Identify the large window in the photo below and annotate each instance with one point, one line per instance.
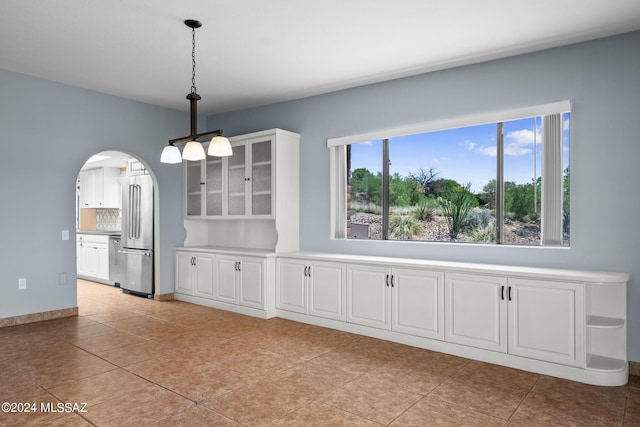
(504, 181)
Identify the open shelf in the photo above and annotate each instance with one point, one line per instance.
(604, 322)
(605, 364)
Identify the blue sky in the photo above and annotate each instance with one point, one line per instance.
(464, 154)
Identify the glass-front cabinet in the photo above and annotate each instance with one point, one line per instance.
(238, 186)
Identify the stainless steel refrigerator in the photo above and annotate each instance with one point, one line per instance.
(137, 235)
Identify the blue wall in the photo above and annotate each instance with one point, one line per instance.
(602, 80)
(47, 132)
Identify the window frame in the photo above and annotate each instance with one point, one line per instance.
(338, 163)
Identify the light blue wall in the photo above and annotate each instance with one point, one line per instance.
(47, 132)
(602, 80)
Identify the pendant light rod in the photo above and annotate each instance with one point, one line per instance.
(197, 137)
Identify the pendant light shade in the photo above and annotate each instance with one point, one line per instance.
(193, 151)
(171, 154)
(220, 147)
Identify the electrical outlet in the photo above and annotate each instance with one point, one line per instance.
(22, 283)
(65, 234)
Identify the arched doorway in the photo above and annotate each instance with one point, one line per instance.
(116, 218)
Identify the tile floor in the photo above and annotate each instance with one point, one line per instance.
(141, 363)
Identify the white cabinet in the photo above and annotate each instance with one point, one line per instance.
(195, 274)
(204, 184)
(240, 281)
(311, 287)
(100, 188)
(404, 300)
(537, 319)
(476, 312)
(92, 256)
(606, 326)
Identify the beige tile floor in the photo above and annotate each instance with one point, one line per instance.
(141, 363)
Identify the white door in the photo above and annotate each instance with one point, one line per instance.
(261, 177)
(368, 295)
(251, 282)
(204, 269)
(476, 311)
(327, 290)
(184, 273)
(237, 180)
(290, 285)
(226, 289)
(418, 302)
(546, 321)
(194, 184)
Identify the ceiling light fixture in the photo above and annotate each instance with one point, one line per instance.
(193, 150)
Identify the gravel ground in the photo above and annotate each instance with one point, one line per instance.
(436, 230)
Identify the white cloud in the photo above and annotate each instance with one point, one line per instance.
(488, 151)
(470, 145)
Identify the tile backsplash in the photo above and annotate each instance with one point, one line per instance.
(108, 219)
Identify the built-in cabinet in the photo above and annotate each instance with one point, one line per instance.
(398, 299)
(311, 287)
(100, 188)
(92, 252)
(195, 273)
(538, 319)
(225, 278)
(237, 186)
(565, 323)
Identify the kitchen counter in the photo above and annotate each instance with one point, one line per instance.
(99, 232)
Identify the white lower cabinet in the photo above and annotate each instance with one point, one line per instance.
(315, 288)
(195, 274)
(537, 319)
(240, 281)
(228, 278)
(93, 256)
(404, 300)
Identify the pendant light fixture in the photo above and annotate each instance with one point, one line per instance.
(193, 150)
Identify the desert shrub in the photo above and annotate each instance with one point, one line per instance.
(485, 234)
(479, 218)
(455, 206)
(423, 211)
(403, 227)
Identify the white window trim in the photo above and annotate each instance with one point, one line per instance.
(550, 229)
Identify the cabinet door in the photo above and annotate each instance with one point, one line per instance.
(237, 181)
(418, 302)
(81, 253)
(546, 321)
(327, 290)
(261, 177)
(226, 288)
(91, 188)
(193, 191)
(251, 282)
(203, 275)
(184, 273)
(214, 185)
(101, 260)
(368, 296)
(476, 313)
(290, 285)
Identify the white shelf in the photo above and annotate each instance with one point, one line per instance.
(265, 163)
(260, 193)
(605, 364)
(604, 322)
(214, 192)
(242, 166)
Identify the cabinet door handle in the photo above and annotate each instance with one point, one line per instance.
(305, 271)
(509, 293)
(309, 267)
(239, 266)
(387, 279)
(502, 292)
(392, 285)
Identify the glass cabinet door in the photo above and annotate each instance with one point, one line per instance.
(236, 181)
(194, 188)
(214, 187)
(261, 166)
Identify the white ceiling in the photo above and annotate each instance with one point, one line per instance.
(256, 52)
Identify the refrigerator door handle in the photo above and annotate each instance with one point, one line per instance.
(124, 251)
